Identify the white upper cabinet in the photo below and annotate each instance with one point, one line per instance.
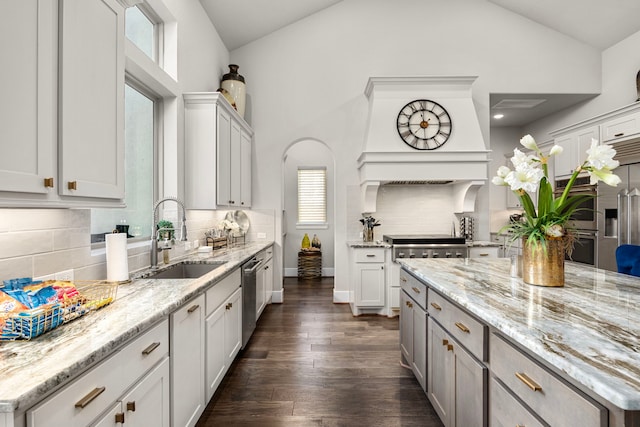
(575, 146)
(92, 99)
(27, 80)
(63, 116)
(217, 153)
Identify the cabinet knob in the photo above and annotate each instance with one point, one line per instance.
(445, 342)
(228, 306)
(72, 185)
(449, 347)
(131, 406)
(120, 417)
(48, 182)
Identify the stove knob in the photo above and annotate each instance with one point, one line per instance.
(435, 255)
(412, 255)
(447, 254)
(458, 255)
(425, 255)
(400, 254)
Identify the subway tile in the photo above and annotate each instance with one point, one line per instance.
(71, 238)
(25, 243)
(12, 268)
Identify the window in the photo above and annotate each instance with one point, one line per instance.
(312, 196)
(140, 136)
(142, 31)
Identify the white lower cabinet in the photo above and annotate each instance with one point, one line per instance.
(224, 339)
(147, 404)
(187, 363)
(484, 252)
(138, 371)
(456, 382)
(413, 339)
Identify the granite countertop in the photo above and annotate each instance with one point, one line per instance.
(589, 330)
(483, 243)
(30, 370)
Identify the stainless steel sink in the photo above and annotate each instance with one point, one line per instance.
(186, 271)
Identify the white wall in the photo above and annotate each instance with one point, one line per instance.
(307, 153)
(307, 80)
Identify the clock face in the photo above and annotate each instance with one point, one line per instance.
(424, 124)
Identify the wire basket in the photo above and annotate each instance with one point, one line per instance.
(28, 324)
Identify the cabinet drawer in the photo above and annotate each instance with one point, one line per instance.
(144, 352)
(471, 333)
(506, 411)
(556, 402)
(484, 252)
(220, 291)
(621, 128)
(369, 255)
(414, 288)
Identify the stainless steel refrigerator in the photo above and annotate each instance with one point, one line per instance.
(619, 216)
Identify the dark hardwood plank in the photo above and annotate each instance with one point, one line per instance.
(311, 363)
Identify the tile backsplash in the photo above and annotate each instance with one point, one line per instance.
(39, 242)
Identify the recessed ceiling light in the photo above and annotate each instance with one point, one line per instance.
(498, 116)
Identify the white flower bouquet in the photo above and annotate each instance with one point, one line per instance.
(530, 175)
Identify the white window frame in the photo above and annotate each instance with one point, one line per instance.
(301, 223)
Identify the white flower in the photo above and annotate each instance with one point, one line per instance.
(601, 156)
(521, 158)
(605, 175)
(556, 150)
(498, 180)
(527, 141)
(526, 177)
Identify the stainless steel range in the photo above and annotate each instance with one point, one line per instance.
(427, 246)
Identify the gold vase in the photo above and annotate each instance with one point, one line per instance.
(543, 267)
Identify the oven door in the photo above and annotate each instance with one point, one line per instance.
(585, 249)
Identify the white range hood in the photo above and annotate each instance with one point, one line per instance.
(460, 163)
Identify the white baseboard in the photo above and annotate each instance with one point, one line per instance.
(277, 297)
(293, 272)
(340, 297)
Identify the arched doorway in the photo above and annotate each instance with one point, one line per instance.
(304, 154)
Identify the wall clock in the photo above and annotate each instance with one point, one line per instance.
(424, 124)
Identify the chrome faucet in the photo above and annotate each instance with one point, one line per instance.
(154, 236)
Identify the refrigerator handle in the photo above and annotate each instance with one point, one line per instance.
(623, 217)
(634, 219)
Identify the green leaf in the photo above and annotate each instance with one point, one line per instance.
(545, 197)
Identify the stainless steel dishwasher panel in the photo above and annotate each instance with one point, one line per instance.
(249, 271)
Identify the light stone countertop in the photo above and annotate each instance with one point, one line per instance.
(30, 370)
(362, 244)
(588, 330)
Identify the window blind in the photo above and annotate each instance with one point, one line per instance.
(312, 195)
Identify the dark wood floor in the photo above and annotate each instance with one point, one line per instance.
(311, 363)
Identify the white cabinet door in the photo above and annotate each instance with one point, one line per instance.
(575, 146)
(200, 123)
(234, 180)
(564, 163)
(470, 389)
(419, 364)
(440, 386)
(147, 404)
(406, 328)
(216, 354)
(223, 161)
(27, 82)
(91, 116)
(187, 363)
(233, 326)
(245, 170)
(370, 284)
(268, 281)
(113, 418)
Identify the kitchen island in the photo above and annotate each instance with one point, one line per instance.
(32, 370)
(587, 334)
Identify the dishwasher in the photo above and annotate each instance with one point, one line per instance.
(249, 271)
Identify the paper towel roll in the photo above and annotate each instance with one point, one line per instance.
(117, 257)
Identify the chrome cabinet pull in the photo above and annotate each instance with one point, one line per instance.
(193, 308)
(436, 306)
(147, 351)
(416, 290)
(528, 381)
(90, 397)
(131, 406)
(462, 327)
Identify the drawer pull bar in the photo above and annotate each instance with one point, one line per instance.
(403, 279)
(436, 306)
(120, 418)
(462, 327)
(89, 397)
(131, 406)
(484, 254)
(193, 308)
(147, 351)
(416, 290)
(528, 381)
(618, 134)
(370, 255)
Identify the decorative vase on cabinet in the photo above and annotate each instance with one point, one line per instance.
(233, 83)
